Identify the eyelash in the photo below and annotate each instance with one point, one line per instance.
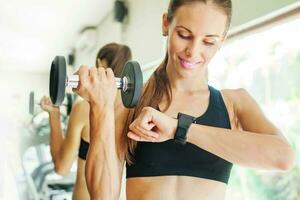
(188, 37)
(209, 43)
(183, 37)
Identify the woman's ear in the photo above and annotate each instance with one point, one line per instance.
(165, 25)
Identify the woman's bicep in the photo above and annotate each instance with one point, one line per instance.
(251, 116)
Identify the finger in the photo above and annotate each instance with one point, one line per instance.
(141, 119)
(102, 73)
(132, 125)
(110, 74)
(49, 100)
(147, 133)
(43, 100)
(147, 126)
(99, 64)
(135, 137)
(46, 99)
(144, 124)
(144, 134)
(83, 74)
(93, 73)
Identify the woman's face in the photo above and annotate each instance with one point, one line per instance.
(195, 35)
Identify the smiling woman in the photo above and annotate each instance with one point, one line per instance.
(187, 133)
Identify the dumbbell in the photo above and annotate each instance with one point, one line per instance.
(130, 83)
(32, 103)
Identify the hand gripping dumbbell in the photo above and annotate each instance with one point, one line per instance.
(130, 83)
(33, 103)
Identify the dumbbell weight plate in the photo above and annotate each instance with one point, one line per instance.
(57, 83)
(133, 73)
(69, 103)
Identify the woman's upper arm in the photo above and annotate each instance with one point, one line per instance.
(121, 115)
(250, 115)
(78, 119)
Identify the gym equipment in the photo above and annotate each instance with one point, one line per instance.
(130, 83)
(32, 103)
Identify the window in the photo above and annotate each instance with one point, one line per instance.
(267, 64)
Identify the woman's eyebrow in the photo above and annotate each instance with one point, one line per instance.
(180, 26)
(217, 36)
(209, 35)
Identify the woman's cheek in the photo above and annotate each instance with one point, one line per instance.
(210, 54)
(176, 43)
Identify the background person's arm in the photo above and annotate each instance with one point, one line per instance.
(64, 150)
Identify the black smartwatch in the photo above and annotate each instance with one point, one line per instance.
(184, 123)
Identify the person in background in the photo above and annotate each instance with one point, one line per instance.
(65, 150)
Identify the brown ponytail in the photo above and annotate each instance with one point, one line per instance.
(155, 88)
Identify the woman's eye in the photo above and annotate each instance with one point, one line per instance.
(209, 43)
(183, 36)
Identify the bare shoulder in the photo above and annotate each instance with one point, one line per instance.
(240, 99)
(234, 99)
(234, 94)
(248, 112)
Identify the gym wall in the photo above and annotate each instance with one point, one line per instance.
(246, 11)
(142, 29)
(108, 31)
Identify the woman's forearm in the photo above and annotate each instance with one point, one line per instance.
(103, 168)
(256, 150)
(56, 137)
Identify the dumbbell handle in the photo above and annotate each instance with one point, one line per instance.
(73, 80)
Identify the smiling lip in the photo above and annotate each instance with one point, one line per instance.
(188, 64)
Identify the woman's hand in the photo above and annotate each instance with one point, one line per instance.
(47, 105)
(152, 126)
(97, 85)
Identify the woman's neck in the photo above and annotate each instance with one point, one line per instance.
(190, 84)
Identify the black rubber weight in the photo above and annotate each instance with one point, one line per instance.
(69, 103)
(132, 71)
(57, 82)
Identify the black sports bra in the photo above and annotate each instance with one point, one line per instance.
(170, 158)
(83, 149)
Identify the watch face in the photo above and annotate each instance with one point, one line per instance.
(184, 122)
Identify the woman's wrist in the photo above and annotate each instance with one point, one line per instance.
(173, 128)
(54, 111)
(100, 106)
